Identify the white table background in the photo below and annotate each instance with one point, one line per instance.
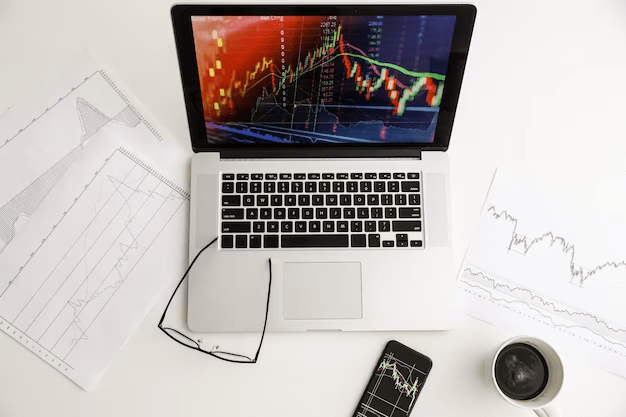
(545, 82)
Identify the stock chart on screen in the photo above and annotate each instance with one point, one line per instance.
(322, 79)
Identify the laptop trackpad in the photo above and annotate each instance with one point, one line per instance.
(322, 290)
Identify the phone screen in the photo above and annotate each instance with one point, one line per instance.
(397, 381)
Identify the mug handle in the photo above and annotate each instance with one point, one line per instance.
(550, 411)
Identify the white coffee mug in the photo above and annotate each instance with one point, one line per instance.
(543, 404)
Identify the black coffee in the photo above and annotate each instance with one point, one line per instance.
(521, 371)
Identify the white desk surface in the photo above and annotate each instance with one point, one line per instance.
(545, 81)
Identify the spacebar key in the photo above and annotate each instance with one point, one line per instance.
(314, 241)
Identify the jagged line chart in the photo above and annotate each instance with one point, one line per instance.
(393, 379)
(578, 273)
(91, 121)
(60, 292)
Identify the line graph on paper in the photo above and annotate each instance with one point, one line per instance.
(88, 256)
(393, 389)
(83, 120)
(536, 263)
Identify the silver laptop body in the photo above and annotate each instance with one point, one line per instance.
(346, 252)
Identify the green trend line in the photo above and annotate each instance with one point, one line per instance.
(399, 68)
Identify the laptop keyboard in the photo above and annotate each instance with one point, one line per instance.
(321, 210)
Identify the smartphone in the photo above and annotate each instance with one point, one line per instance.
(397, 381)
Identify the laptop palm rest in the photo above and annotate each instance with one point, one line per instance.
(322, 290)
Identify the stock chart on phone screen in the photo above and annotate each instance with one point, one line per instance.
(321, 79)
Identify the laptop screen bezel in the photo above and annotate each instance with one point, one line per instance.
(183, 33)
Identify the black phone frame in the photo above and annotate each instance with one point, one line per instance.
(181, 19)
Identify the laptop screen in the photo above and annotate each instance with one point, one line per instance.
(322, 79)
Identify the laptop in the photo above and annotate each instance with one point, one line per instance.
(319, 136)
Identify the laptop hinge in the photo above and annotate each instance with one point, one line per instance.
(320, 153)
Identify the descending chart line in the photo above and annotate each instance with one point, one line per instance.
(578, 276)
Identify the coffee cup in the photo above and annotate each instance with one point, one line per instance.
(528, 373)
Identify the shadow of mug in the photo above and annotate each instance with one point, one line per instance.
(541, 402)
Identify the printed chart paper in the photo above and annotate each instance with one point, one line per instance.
(549, 259)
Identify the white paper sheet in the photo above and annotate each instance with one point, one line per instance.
(549, 259)
(101, 230)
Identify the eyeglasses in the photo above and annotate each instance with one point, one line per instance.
(186, 341)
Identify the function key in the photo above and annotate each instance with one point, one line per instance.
(242, 177)
(370, 176)
(257, 176)
(356, 176)
(328, 176)
(398, 175)
(285, 176)
(342, 176)
(228, 177)
(271, 176)
(413, 175)
(384, 176)
(314, 176)
(299, 176)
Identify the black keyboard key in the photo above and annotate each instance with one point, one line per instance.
(248, 200)
(304, 200)
(338, 187)
(227, 241)
(314, 176)
(363, 213)
(255, 241)
(318, 200)
(314, 226)
(402, 240)
(290, 200)
(377, 212)
(269, 187)
(255, 187)
(384, 176)
(349, 213)
(242, 177)
(388, 243)
(283, 187)
(228, 177)
(307, 213)
(416, 243)
(342, 226)
(331, 200)
(266, 213)
(409, 212)
(276, 200)
(356, 226)
(398, 175)
(324, 187)
(413, 175)
(328, 226)
(379, 186)
(285, 176)
(299, 176)
(400, 199)
(241, 241)
(370, 226)
(293, 213)
(386, 200)
(286, 227)
(372, 200)
(335, 213)
(373, 240)
(406, 225)
(256, 176)
(356, 176)
(301, 227)
(279, 213)
(271, 176)
(310, 187)
(370, 175)
(414, 199)
(252, 213)
(321, 213)
(272, 227)
(328, 176)
(342, 176)
(231, 200)
(232, 214)
(270, 241)
(235, 227)
(314, 241)
(390, 212)
(296, 187)
(393, 186)
(410, 186)
(358, 241)
(384, 226)
(241, 187)
(359, 199)
(345, 199)
(366, 186)
(228, 187)
(262, 200)
(352, 186)
(258, 227)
